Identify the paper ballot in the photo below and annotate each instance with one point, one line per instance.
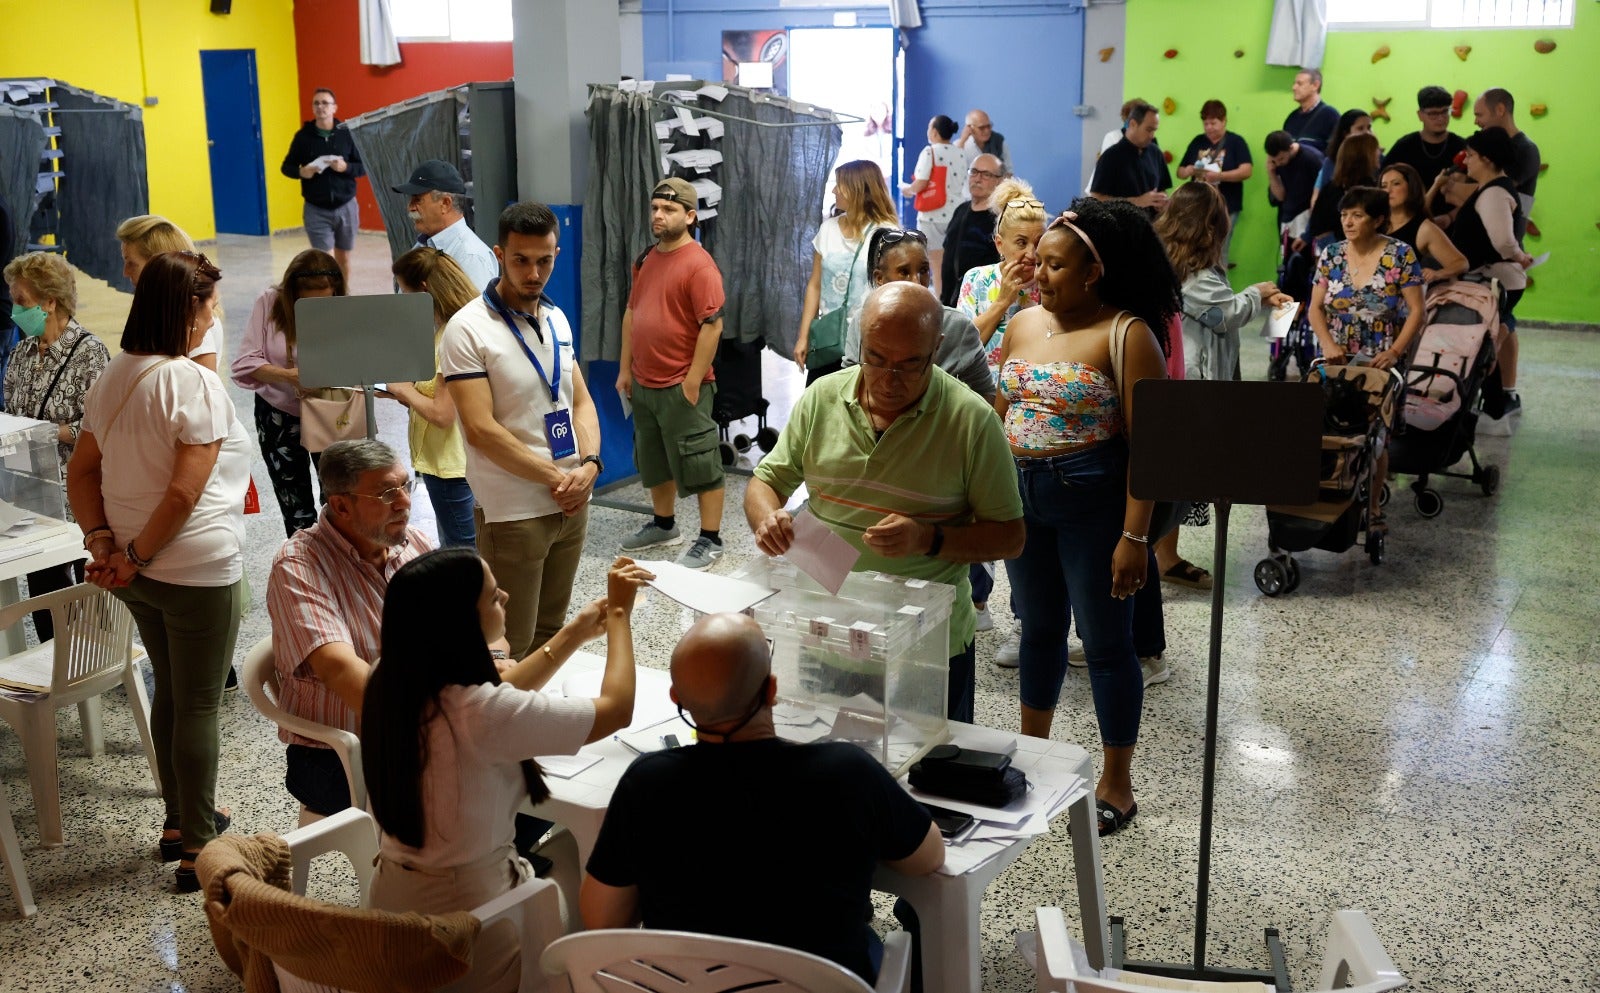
(1539, 260)
(1279, 321)
(821, 554)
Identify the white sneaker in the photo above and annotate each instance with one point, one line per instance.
(1494, 427)
(1076, 657)
(1010, 654)
(1155, 670)
(985, 619)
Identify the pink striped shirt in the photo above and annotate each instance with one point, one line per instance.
(321, 593)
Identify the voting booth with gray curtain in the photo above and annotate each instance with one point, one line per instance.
(761, 199)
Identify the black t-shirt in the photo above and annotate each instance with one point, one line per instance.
(1299, 177)
(1427, 158)
(719, 837)
(1315, 126)
(1230, 153)
(968, 243)
(1126, 170)
(1524, 169)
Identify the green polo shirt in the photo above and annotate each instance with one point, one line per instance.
(943, 462)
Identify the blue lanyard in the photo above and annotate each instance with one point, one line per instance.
(493, 300)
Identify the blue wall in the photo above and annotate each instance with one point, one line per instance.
(1020, 60)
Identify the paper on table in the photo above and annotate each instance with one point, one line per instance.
(704, 592)
(1279, 321)
(565, 766)
(821, 554)
(1539, 260)
(649, 709)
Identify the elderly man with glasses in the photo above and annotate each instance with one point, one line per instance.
(325, 600)
(980, 138)
(901, 460)
(969, 239)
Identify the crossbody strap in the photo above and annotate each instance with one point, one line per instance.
(106, 432)
(850, 274)
(39, 416)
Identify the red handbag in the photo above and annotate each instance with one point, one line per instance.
(932, 196)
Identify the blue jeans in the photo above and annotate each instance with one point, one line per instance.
(1073, 507)
(963, 681)
(982, 582)
(452, 509)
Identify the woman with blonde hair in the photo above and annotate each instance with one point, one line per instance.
(438, 455)
(143, 238)
(268, 367)
(992, 294)
(839, 274)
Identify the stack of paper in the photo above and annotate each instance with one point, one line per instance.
(699, 159)
(999, 827)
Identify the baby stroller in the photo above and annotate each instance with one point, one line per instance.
(1454, 354)
(1296, 273)
(1360, 404)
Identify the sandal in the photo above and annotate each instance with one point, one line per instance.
(172, 848)
(1111, 819)
(1186, 573)
(186, 878)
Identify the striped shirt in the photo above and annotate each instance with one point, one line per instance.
(945, 461)
(321, 593)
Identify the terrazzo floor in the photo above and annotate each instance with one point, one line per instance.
(1416, 739)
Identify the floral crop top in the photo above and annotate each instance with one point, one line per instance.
(1056, 405)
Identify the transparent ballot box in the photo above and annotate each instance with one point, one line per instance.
(30, 471)
(869, 666)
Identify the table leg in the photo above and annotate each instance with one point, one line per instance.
(1091, 882)
(952, 949)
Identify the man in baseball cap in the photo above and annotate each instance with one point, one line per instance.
(437, 192)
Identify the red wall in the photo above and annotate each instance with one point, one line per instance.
(328, 50)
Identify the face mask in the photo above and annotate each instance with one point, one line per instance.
(30, 319)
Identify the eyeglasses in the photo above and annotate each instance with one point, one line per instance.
(322, 103)
(983, 127)
(910, 369)
(391, 496)
(1065, 221)
(1435, 111)
(984, 172)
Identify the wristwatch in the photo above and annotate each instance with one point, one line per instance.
(599, 466)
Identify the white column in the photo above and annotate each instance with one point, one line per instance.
(558, 48)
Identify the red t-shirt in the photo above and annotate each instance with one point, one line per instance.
(673, 294)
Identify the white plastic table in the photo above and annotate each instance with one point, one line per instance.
(56, 544)
(947, 907)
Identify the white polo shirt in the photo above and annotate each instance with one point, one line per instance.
(476, 344)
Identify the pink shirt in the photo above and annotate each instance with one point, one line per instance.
(263, 344)
(321, 592)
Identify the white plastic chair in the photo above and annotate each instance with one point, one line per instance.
(11, 853)
(261, 683)
(533, 907)
(630, 958)
(92, 652)
(1354, 961)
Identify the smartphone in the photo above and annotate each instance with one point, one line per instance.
(949, 822)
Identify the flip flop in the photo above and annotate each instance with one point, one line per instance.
(1186, 573)
(1111, 819)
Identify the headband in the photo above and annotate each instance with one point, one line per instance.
(1065, 221)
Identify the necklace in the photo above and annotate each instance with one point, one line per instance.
(1444, 146)
(1051, 332)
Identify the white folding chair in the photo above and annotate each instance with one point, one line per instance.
(92, 652)
(1354, 961)
(629, 958)
(261, 683)
(534, 907)
(11, 853)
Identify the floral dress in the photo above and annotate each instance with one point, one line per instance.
(1367, 318)
(979, 289)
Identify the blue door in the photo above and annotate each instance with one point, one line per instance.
(233, 138)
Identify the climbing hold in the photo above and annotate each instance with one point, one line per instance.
(1538, 110)
(1171, 53)
(1166, 156)
(1543, 166)
(1380, 54)
(1462, 51)
(1544, 46)
(1458, 103)
(1106, 53)
(1169, 106)
(1533, 228)
(1238, 53)
(1380, 108)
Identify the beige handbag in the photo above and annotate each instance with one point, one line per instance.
(331, 414)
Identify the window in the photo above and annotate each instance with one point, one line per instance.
(1367, 15)
(453, 20)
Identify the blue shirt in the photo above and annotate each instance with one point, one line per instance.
(475, 258)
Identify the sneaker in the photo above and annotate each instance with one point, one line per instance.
(985, 619)
(650, 536)
(1077, 658)
(701, 554)
(1010, 654)
(1494, 427)
(1513, 403)
(1155, 670)
(232, 682)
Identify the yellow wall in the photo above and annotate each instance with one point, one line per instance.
(96, 45)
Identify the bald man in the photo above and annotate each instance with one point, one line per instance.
(702, 838)
(902, 461)
(979, 137)
(969, 237)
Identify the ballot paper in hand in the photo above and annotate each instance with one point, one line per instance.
(703, 591)
(1539, 260)
(821, 554)
(322, 162)
(1279, 320)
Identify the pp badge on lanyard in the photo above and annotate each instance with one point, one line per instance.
(558, 433)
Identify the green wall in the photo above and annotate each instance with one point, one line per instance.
(1206, 36)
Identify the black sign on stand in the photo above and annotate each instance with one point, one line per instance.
(1222, 443)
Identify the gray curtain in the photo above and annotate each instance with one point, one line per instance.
(772, 180)
(22, 142)
(394, 139)
(103, 156)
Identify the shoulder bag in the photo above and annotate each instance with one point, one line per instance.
(932, 196)
(1165, 515)
(335, 413)
(828, 330)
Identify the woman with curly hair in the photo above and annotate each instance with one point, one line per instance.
(1067, 370)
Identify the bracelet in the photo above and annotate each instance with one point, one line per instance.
(1142, 539)
(89, 535)
(498, 654)
(132, 555)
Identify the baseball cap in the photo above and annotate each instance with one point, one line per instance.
(679, 191)
(434, 174)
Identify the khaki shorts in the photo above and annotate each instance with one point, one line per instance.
(674, 442)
